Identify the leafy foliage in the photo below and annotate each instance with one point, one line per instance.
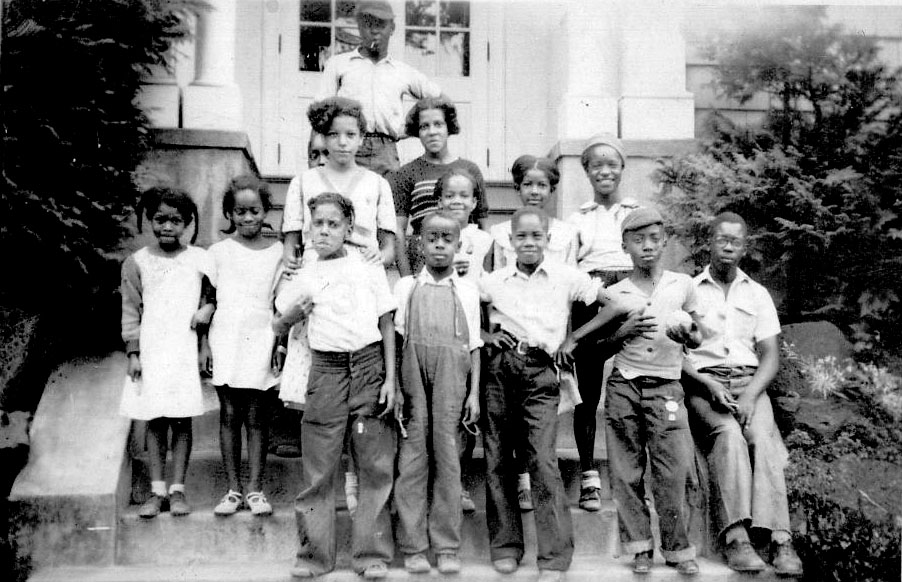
(819, 184)
(73, 135)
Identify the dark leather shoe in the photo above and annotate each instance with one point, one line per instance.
(785, 560)
(685, 568)
(742, 557)
(642, 562)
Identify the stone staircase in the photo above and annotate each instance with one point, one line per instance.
(75, 519)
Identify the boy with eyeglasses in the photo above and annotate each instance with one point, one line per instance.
(726, 379)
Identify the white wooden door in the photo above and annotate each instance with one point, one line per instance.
(447, 40)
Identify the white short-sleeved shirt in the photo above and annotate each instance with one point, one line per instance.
(379, 87)
(368, 191)
(475, 244)
(562, 243)
(349, 296)
(600, 240)
(536, 308)
(467, 293)
(660, 357)
(735, 322)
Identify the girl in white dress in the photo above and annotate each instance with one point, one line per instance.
(164, 290)
(241, 339)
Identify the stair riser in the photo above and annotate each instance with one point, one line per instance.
(197, 538)
(207, 483)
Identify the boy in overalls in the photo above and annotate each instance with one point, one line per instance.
(438, 316)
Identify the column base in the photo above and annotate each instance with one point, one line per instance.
(161, 104)
(658, 118)
(212, 107)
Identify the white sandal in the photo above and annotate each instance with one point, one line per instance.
(258, 503)
(229, 504)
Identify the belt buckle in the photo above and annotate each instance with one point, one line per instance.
(522, 348)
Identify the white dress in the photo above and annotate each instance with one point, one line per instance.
(169, 385)
(241, 336)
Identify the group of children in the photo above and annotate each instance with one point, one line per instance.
(478, 336)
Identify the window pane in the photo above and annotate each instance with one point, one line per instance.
(316, 10)
(455, 14)
(345, 16)
(315, 42)
(420, 12)
(346, 39)
(454, 60)
(419, 50)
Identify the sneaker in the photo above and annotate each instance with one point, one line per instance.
(416, 563)
(466, 502)
(375, 571)
(301, 570)
(742, 557)
(505, 565)
(642, 562)
(258, 504)
(448, 564)
(229, 504)
(685, 568)
(152, 507)
(178, 504)
(785, 560)
(590, 491)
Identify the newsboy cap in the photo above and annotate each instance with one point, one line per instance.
(378, 8)
(640, 218)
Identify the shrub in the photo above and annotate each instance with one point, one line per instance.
(819, 184)
(72, 136)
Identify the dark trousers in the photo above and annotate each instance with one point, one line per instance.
(344, 389)
(641, 413)
(521, 399)
(590, 360)
(378, 153)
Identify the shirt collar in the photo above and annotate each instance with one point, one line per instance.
(356, 54)
(513, 272)
(426, 278)
(706, 276)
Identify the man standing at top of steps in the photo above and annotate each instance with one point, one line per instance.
(726, 380)
(379, 82)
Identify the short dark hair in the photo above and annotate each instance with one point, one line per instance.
(153, 198)
(533, 211)
(236, 185)
(322, 113)
(525, 163)
(457, 171)
(345, 206)
(730, 217)
(448, 109)
(440, 214)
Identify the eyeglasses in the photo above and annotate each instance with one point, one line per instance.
(722, 242)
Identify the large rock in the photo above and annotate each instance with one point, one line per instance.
(817, 339)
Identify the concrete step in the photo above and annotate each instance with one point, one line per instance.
(583, 569)
(207, 483)
(205, 538)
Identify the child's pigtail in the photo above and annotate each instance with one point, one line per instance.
(196, 216)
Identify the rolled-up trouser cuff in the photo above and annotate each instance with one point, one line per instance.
(509, 552)
(637, 546)
(679, 555)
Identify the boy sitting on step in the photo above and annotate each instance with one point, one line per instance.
(531, 300)
(644, 404)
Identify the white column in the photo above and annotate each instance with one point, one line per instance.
(654, 103)
(213, 99)
(585, 88)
